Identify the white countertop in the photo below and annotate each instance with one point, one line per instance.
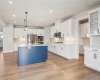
(60, 44)
(95, 47)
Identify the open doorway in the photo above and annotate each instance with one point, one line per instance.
(1, 42)
(84, 38)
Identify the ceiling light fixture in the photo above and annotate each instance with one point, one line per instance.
(41, 19)
(37, 24)
(14, 15)
(10, 2)
(50, 11)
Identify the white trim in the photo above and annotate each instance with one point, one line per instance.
(77, 33)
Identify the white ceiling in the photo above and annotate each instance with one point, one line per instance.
(38, 9)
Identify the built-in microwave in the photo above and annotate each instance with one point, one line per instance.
(58, 35)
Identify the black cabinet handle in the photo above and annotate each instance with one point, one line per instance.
(95, 56)
(94, 50)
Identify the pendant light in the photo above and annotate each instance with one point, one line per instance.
(26, 20)
(24, 25)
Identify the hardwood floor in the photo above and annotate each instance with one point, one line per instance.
(56, 68)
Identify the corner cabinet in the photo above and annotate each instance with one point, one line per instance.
(92, 58)
(94, 21)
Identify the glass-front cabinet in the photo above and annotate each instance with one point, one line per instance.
(94, 21)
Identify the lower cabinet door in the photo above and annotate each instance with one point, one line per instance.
(89, 59)
(64, 51)
(98, 61)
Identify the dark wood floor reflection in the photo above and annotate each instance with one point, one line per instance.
(56, 68)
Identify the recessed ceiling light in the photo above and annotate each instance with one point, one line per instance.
(50, 11)
(10, 2)
(41, 19)
(14, 15)
(15, 21)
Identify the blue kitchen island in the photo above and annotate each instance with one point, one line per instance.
(32, 54)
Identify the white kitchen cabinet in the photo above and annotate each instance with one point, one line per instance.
(52, 31)
(69, 51)
(63, 29)
(59, 50)
(58, 26)
(65, 50)
(15, 47)
(94, 21)
(16, 32)
(71, 23)
(84, 29)
(40, 32)
(50, 48)
(21, 33)
(92, 58)
(89, 59)
(68, 28)
(31, 31)
(97, 61)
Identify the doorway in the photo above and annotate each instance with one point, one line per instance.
(1, 42)
(83, 34)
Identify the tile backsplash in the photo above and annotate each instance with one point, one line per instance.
(69, 40)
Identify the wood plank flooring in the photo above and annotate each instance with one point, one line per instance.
(56, 68)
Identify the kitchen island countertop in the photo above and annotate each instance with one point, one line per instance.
(30, 45)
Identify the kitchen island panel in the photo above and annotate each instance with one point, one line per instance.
(32, 54)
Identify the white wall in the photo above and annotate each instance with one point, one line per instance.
(46, 35)
(2, 24)
(8, 38)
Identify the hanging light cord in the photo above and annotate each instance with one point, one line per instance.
(26, 18)
(24, 25)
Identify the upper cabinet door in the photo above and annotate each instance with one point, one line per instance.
(62, 29)
(65, 29)
(58, 26)
(52, 29)
(31, 31)
(40, 32)
(71, 27)
(21, 33)
(94, 19)
(16, 32)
